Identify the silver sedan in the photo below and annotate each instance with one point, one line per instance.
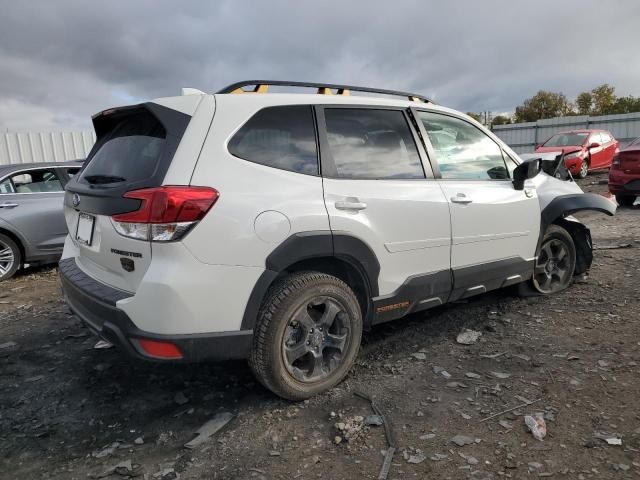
(32, 225)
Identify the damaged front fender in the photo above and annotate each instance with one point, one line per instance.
(559, 212)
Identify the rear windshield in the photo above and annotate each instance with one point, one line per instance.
(130, 152)
(566, 140)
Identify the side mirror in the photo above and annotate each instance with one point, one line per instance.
(594, 145)
(524, 171)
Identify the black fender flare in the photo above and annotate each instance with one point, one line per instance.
(565, 205)
(305, 246)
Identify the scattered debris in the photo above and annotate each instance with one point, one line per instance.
(428, 436)
(417, 457)
(468, 337)
(509, 410)
(494, 355)
(472, 375)
(470, 459)
(436, 457)
(124, 469)
(506, 425)
(501, 375)
(102, 344)
(351, 429)
(139, 441)
(6, 345)
(462, 440)
(106, 451)
(375, 420)
(610, 439)
(209, 428)
(612, 247)
(388, 433)
(536, 425)
(180, 398)
(419, 356)
(441, 371)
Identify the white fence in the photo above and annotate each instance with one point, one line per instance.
(28, 147)
(523, 137)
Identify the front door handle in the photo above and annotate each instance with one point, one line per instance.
(351, 204)
(461, 198)
(8, 205)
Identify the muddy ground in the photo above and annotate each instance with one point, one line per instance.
(68, 410)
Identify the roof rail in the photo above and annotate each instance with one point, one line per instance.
(262, 86)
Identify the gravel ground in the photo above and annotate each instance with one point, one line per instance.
(68, 410)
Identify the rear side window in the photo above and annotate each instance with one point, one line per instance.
(130, 152)
(372, 144)
(280, 137)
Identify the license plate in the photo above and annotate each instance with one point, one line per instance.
(84, 233)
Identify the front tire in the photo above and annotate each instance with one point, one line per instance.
(10, 257)
(555, 262)
(307, 336)
(584, 169)
(625, 200)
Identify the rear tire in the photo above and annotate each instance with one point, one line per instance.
(10, 257)
(625, 200)
(307, 336)
(584, 169)
(555, 264)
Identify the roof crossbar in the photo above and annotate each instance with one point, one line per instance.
(262, 86)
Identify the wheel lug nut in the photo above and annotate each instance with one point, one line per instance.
(312, 330)
(308, 343)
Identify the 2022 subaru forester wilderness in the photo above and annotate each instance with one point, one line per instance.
(276, 227)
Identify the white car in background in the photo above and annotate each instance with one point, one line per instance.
(276, 227)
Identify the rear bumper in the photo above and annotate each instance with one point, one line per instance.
(95, 304)
(624, 184)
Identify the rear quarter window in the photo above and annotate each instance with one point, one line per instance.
(279, 137)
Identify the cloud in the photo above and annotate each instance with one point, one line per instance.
(63, 61)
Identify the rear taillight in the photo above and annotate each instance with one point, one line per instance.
(616, 162)
(166, 213)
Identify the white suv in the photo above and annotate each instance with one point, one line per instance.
(276, 227)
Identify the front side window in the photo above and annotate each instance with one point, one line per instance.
(281, 137)
(606, 138)
(34, 181)
(463, 152)
(595, 138)
(372, 144)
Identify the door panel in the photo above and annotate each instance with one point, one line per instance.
(494, 228)
(406, 224)
(597, 154)
(38, 217)
(34, 208)
(376, 189)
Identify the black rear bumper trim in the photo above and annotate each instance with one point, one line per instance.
(95, 304)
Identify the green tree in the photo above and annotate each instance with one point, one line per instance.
(584, 103)
(604, 99)
(543, 105)
(500, 120)
(629, 104)
(476, 116)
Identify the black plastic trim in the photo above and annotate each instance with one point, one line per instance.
(308, 245)
(95, 304)
(418, 292)
(489, 276)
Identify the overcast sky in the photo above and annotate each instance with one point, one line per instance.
(62, 60)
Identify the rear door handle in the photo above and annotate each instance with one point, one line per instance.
(8, 205)
(461, 198)
(351, 204)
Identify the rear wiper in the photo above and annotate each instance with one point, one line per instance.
(102, 179)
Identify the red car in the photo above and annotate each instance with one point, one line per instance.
(624, 176)
(584, 150)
